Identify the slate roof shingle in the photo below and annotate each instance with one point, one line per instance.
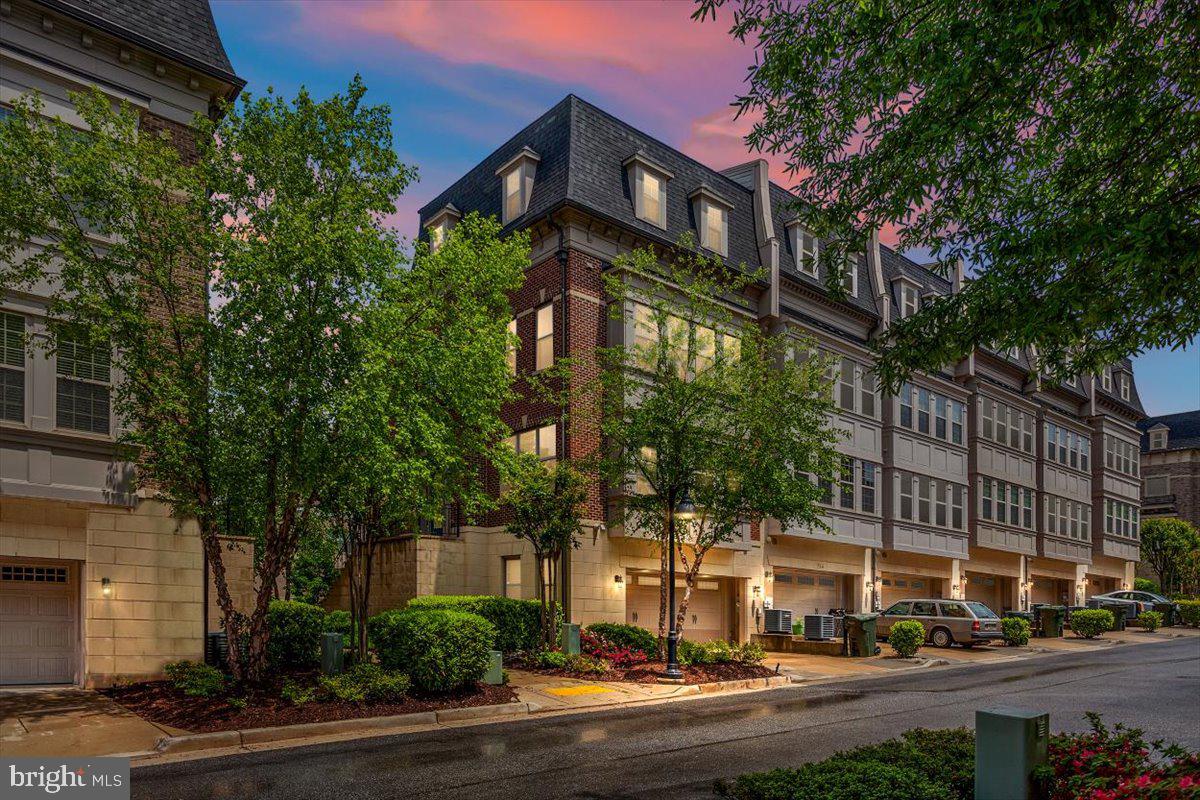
(1183, 430)
(180, 29)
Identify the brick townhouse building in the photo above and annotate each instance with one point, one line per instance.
(97, 581)
(1170, 453)
(981, 481)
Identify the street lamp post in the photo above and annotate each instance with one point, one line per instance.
(684, 510)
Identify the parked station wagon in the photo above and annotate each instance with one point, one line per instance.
(946, 621)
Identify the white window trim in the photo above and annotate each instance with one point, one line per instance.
(526, 162)
(806, 262)
(705, 201)
(22, 367)
(637, 166)
(440, 225)
(539, 335)
(1159, 439)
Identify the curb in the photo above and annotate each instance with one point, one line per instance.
(192, 742)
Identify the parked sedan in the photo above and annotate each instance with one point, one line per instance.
(1137, 602)
(946, 621)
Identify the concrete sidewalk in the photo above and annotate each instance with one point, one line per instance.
(78, 722)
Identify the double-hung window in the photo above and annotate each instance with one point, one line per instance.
(512, 346)
(12, 367)
(544, 348)
(84, 372)
(804, 249)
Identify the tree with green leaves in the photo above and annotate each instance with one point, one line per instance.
(422, 410)
(1052, 146)
(228, 410)
(701, 400)
(1172, 549)
(546, 505)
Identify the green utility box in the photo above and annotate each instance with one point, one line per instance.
(1009, 744)
(1168, 612)
(860, 635)
(1052, 619)
(568, 638)
(1118, 610)
(332, 657)
(495, 672)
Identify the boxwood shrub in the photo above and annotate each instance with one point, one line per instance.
(1091, 622)
(195, 679)
(906, 637)
(1150, 620)
(1189, 612)
(338, 622)
(622, 635)
(517, 622)
(367, 682)
(440, 650)
(295, 634)
(1016, 631)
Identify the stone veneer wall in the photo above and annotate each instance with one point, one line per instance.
(154, 563)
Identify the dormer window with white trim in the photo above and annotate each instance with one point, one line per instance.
(910, 300)
(440, 225)
(516, 183)
(712, 219)
(1106, 379)
(1158, 439)
(1124, 381)
(804, 248)
(849, 271)
(648, 188)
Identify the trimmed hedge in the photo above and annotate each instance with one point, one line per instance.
(1091, 622)
(906, 637)
(367, 682)
(921, 765)
(1189, 612)
(1016, 631)
(440, 650)
(517, 622)
(622, 635)
(1150, 620)
(295, 634)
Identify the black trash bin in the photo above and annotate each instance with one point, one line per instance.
(1119, 612)
(1052, 619)
(1168, 612)
(1029, 617)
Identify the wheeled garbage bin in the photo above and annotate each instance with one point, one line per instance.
(860, 635)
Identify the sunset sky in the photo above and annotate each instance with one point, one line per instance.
(461, 77)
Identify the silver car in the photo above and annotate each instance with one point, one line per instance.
(1135, 601)
(966, 622)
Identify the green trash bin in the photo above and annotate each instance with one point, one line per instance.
(1168, 612)
(1052, 619)
(1119, 612)
(860, 635)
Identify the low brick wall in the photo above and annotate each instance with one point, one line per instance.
(776, 643)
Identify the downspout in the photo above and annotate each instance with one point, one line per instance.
(565, 440)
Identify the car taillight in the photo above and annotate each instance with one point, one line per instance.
(975, 625)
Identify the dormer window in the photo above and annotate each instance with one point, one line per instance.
(516, 183)
(1106, 379)
(440, 225)
(712, 219)
(804, 248)
(849, 271)
(1124, 381)
(1158, 439)
(648, 188)
(910, 300)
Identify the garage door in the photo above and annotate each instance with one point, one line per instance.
(37, 624)
(806, 592)
(987, 589)
(706, 617)
(1050, 591)
(897, 586)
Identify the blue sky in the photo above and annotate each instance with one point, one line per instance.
(462, 77)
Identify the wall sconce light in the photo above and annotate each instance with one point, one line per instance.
(757, 590)
(106, 587)
(954, 588)
(618, 579)
(769, 575)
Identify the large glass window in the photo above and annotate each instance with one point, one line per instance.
(932, 501)
(84, 372)
(12, 367)
(1006, 503)
(935, 414)
(1066, 447)
(545, 336)
(855, 489)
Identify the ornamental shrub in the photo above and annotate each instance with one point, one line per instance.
(551, 659)
(718, 651)
(1150, 620)
(338, 622)
(906, 637)
(1189, 612)
(749, 653)
(1091, 622)
(586, 665)
(617, 655)
(632, 637)
(1116, 765)
(1145, 585)
(195, 679)
(367, 683)
(295, 634)
(439, 650)
(297, 693)
(517, 622)
(1016, 631)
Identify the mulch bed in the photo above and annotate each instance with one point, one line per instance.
(651, 671)
(159, 702)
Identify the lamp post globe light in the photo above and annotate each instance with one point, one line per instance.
(685, 509)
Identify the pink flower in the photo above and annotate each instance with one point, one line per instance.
(1186, 782)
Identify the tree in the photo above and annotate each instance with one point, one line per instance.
(1050, 145)
(280, 213)
(546, 505)
(422, 411)
(1172, 549)
(693, 404)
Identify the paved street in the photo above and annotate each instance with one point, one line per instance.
(678, 749)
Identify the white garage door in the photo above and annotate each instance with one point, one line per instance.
(806, 592)
(897, 586)
(707, 615)
(987, 589)
(37, 624)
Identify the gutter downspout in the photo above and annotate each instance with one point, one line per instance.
(565, 451)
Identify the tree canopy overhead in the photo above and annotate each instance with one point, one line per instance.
(1052, 146)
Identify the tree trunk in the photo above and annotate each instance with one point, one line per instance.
(231, 620)
(664, 577)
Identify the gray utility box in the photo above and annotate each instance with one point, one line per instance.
(332, 657)
(495, 672)
(1009, 743)
(568, 638)
(777, 620)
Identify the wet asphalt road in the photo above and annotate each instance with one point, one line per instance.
(678, 749)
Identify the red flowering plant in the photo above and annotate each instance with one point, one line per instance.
(617, 655)
(1117, 765)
